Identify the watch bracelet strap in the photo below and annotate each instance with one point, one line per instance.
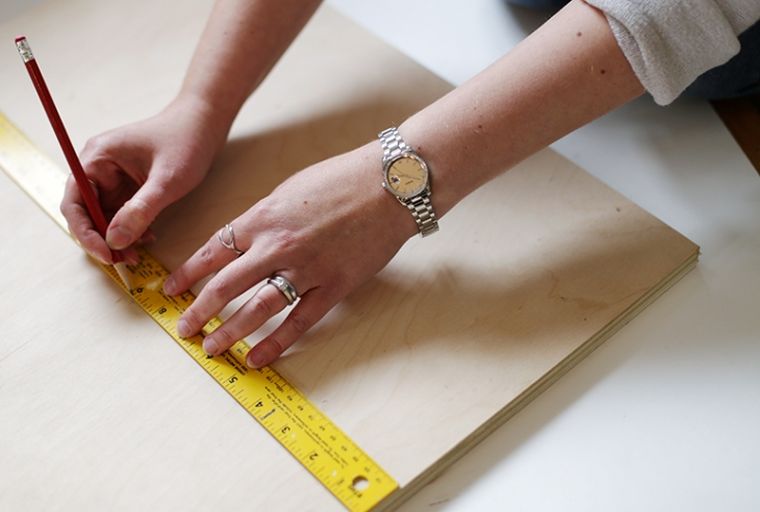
(420, 206)
(392, 143)
(422, 211)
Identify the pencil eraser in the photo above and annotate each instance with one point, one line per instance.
(20, 38)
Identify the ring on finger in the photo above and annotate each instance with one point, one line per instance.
(226, 237)
(286, 288)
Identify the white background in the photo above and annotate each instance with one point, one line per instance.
(666, 415)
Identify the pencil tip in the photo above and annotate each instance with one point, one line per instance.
(121, 269)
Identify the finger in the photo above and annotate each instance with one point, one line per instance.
(266, 302)
(80, 224)
(312, 307)
(211, 257)
(130, 256)
(134, 217)
(147, 238)
(231, 282)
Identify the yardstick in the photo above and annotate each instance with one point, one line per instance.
(310, 436)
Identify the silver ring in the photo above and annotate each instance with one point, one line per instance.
(285, 287)
(228, 241)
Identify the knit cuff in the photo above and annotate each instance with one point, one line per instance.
(669, 43)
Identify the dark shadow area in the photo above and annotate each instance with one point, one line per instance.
(252, 165)
(531, 14)
(500, 312)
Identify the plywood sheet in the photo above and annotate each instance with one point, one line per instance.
(100, 408)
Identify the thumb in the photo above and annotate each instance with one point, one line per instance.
(134, 217)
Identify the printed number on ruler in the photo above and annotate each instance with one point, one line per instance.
(310, 436)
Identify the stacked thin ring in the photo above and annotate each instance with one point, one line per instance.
(285, 287)
(228, 241)
(226, 237)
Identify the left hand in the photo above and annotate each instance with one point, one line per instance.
(326, 229)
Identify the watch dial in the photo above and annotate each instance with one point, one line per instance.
(407, 177)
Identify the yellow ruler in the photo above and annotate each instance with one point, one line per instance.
(315, 441)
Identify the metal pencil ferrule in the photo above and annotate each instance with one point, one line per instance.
(24, 50)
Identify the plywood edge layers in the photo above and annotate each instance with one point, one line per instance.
(541, 385)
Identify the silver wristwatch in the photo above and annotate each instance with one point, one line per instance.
(407, 177)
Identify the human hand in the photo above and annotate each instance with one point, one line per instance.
(327, 230)
(140, 169)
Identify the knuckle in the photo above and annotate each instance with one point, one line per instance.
(299, 323)
(276, 347)
(223, 336)
(92, 147)
(140, 209)
(95, 149)
(286, 242)
(180, 277)
(89, 237)
(263, 210)
(262, 306)
(192, 318)
(206, 255)
(175, 173)
(219, 289)
(66, 209)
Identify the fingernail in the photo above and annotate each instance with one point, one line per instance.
(170, 286)
(183, 328)
(118, 237)
(255, 360)
(210, 346)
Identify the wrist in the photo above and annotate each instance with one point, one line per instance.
(209, 120)
(445, 192)
(388, 211)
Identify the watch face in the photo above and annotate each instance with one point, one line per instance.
(407, 176)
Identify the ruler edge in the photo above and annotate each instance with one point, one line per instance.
(111, 273)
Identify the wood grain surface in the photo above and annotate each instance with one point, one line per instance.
(102, 411)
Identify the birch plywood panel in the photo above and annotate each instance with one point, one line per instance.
(526, 276)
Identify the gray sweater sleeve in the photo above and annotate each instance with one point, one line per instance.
(669, 43)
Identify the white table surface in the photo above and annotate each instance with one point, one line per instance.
(666, 414)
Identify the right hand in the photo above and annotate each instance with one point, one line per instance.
(140, 169)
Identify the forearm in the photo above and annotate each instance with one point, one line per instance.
(567, 73)
(242, 41)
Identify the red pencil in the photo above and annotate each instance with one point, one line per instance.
(83, 184)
